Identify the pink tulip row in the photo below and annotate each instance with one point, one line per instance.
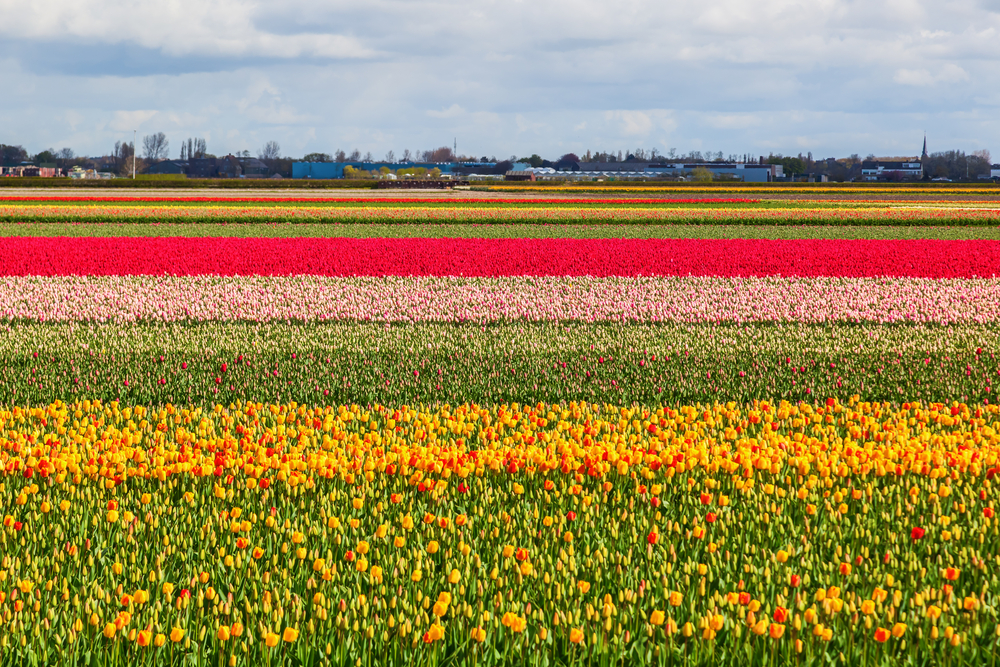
(54, 256)
(451, 299)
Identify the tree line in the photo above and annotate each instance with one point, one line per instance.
(952, 164)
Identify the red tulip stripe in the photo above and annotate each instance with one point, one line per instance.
(498, 257)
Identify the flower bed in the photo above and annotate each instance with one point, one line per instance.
(536, 534)
(26, 256)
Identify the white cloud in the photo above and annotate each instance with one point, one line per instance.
(732, 121)
(178, 27)
(641, 124)
(123, 121)
(451, 112)
(521, 77)
(949, 73)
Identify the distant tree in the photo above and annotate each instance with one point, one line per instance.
(355, 156)
(352, 172)
(317, 157)
(270, 151)
(979, 163)
(955, 165)
(123, 157)
(193, 149)
(12, 154)
(672, 153)
(155, 147)
(384, 170)
(46, 157)
(407, 157)
(368, 157)
(502, 167)
(568, 162)
(390, 157)
(65, 157)
(434, 173)
(340, 156)
(535, 160)
(443, 154)
(791, 165)
(702, 175)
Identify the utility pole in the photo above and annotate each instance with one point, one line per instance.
(133, 153)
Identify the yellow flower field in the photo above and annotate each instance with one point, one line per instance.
(549, 534)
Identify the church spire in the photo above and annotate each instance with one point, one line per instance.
(923, 156)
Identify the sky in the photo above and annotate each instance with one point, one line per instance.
(504, 78)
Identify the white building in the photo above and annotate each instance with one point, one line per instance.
(874, 170)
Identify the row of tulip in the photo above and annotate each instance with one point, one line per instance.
(374, 201)
(484, 300)
(539, 534)
(986, 190)
(919, 258)
(492, 231)
(492, 213)
(490, 363)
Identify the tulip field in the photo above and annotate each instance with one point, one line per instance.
(500, 430)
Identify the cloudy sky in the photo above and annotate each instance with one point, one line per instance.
(508, 77)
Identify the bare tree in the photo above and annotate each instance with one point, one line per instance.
(122, 157)
(270, 151)
(355, 156)
(193, 148)
(443, 154)
(390, 156)
(340, 156)
(407, 156)
(65, 154)
(368, 157)
(155, 146)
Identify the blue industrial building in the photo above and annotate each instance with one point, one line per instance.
(336, 169)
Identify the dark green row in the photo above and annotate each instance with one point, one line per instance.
(496, 230)
(551, 362)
